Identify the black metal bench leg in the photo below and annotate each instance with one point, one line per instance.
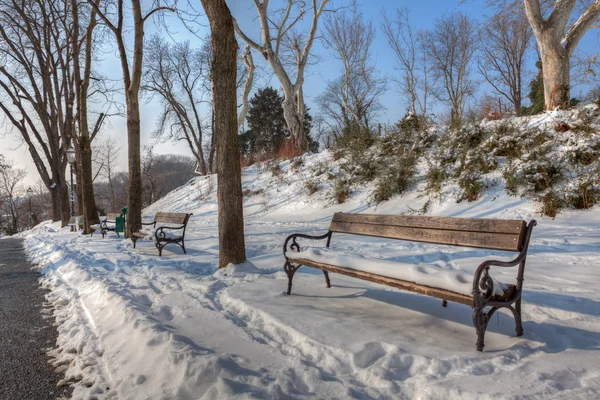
(444, 303)
(133, 239)
(160, 248)
(517, 314)
(327, 278)
(183, 246)
(290, 269)
(480, 321)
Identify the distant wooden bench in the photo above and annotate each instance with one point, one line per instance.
(165, 234)
(76, 222)
(480, 293)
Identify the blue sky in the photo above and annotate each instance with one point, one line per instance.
(423, 13)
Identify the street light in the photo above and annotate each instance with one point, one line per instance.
(30, 193)
(71, 159)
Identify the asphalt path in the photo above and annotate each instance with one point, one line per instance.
(26, 333)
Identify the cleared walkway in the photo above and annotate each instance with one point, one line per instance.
(24, 334)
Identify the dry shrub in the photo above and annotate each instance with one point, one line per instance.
(551, 204)
(312, 186)
(399, 178)
(435, 179)
(252, 192)
(584, 196)
(297, 163)
(341, 191)
(287, 150)
(471, 185)
(562, 127)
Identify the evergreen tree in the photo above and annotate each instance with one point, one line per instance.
(265, 122)
(266, 125)
(536, 93)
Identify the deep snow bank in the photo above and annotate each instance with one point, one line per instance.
(136, 326)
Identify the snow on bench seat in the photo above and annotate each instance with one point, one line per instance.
(422, 274)
(149, 234)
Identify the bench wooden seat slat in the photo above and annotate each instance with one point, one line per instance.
(393, 282)
(493, 234)
(496, 241)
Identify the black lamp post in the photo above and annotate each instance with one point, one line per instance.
(71, 158)
(30, 193)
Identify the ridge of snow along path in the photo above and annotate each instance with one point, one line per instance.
(136, 326)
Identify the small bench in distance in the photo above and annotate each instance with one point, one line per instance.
(164, 234)
(108, 224)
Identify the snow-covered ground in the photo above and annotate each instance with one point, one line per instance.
(136, 326)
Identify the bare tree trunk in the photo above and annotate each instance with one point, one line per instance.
(231, 213)
(134, 214)
(85, 187)
(556, 68)
(211, 153)
(63, 200)
(78, 186)
(90, 211)
(56, 204)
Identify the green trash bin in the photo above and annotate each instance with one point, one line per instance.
(120, 224)
(124, 218)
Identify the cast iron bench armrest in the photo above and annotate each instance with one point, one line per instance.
(160, 231)
(483, 281)
(295, 246)
(149, 223)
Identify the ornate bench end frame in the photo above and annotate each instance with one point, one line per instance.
(483, 291)
(291, 268)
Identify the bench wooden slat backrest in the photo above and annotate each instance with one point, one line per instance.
(113, 216)
(494, 234)
(172, 218)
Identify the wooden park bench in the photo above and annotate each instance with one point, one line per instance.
(479, 292)
(107, 224)
(164, 234)
(76, 222)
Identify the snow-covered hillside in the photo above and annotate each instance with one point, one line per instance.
(136, 326)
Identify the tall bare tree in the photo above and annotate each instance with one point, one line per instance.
(108, 152)
(132, 77)
(282, 45)
(505, 40)
(451, 46)
(84, 138)
(407, 45)
(175, 73)
(181, 76)
(556, 42)
(36, 87)
(229, 193)
(359, 87)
